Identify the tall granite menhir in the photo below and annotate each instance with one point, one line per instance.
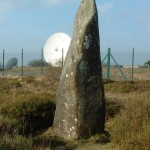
(80, 101)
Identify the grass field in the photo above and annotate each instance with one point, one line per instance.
(139, 73)
(28, 105)
(115, 74)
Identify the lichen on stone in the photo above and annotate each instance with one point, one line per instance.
(88, 41)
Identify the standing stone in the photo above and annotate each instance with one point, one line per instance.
(80, 101)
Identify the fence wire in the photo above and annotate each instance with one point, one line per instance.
(116, 65)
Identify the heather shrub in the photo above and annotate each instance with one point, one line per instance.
(131, 128)
(15, 143)
(113, 107)
(7, 84)
(30, 114)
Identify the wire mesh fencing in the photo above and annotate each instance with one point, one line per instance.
(127, 65)
(116, 65)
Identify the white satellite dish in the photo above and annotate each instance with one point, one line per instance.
(56, 48)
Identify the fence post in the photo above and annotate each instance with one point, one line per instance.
(133, 64)
(3, 62)
(22, 63)
(108, 63)
(41, 62)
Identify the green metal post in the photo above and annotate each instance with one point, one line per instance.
(41, 61)
(3, 62)
(118, 67)
(108, 63)
(133, 64)
(62, 57)
(22, 63)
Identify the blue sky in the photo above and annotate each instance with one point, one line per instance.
(28, 23)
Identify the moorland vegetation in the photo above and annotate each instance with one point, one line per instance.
(27, 106)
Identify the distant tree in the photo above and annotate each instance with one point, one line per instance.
(37, 63)
(12, 62)
(147, 63)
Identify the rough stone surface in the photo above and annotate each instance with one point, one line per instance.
(80, 102)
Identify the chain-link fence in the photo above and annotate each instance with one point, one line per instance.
(127, 65)
(116, 65)
(22, 67)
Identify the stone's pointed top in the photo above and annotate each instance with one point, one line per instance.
(83, 2)
(88, 6)
(87, 9)
(87, 2)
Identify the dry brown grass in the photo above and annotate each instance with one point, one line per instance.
(130, 129)
(129, 126)
(139, 73)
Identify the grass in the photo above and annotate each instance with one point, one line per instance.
(130, 128)
(16, 143)
(115, 74)
(27, 111)
(139, 73)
